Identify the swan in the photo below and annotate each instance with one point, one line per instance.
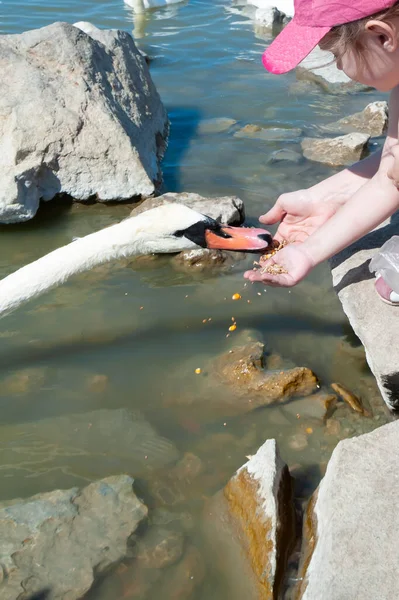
(165, 229)
(142, 5)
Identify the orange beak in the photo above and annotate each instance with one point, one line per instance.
(248, 239)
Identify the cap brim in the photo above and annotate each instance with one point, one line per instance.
(289, 48)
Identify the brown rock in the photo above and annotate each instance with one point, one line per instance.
(243, 369)
(250, 526)
(159, 548)
(338, 151)
(23, 381)
(269, 133)
(350, 398)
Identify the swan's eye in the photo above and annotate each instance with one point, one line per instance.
(196, 232)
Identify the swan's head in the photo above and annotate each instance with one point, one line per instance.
(175, 227)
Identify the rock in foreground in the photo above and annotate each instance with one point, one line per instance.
(56, 542)
(374, 322)
(338, 151)
(250, 526)
(81, 115)
(352, 525)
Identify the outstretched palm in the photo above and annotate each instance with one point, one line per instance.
(299, 216)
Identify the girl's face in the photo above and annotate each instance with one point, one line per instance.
(371, 67)
(376, 63)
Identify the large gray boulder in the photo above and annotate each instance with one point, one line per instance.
(224, 209)
(376, 324)
(79, 114)
(57, 542)
(352, 529)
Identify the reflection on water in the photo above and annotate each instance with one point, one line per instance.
(113, 353)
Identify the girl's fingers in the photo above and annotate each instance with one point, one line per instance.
(274, 215)
(264, 278)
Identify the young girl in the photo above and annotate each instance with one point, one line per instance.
(363, 35)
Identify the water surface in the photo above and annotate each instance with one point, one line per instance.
(130, 335)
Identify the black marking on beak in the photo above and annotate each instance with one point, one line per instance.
(267, 237)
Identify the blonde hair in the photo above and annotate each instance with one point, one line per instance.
(350, 35)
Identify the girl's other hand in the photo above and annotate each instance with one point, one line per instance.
(285, 269)
(299, 215)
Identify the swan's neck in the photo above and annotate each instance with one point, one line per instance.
(56, 267)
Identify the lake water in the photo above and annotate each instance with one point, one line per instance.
(130, 335)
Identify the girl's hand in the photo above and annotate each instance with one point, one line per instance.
(300, 215)
(286, 268)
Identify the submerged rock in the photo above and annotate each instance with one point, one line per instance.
(373, 120)
(242, 368)
(58, 541)
(198, 261)
(158, 548)
(269, 133)
(182, 580)
(225, 209)
(177, 485)
(216, 125)
(351, 527)
(337, 151)
(83, 118)
(250, 526)
(285, 155)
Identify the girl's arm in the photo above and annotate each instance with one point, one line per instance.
(375, 201)
(369, 206)
(340, 187)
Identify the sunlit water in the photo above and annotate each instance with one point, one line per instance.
(130, 335)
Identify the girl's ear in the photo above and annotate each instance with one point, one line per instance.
(385, 34)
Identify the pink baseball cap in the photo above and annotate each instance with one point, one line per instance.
(312, 20)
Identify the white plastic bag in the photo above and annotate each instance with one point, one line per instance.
(386, 263)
